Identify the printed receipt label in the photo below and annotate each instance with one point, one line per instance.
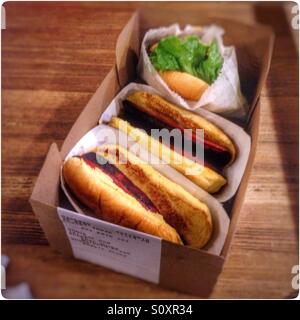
(112, 246)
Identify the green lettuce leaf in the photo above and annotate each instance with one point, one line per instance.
(188, 55)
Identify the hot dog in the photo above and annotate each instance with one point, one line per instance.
(143, 110)
(113, 197)
(203, 176)
(135, 195)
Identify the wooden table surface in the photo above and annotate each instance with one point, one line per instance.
(54, 56)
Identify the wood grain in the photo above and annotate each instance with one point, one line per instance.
(54, 56)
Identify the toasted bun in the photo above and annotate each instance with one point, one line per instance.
(97, 191)
(186, 85)
(188, 215)
(204, 177)
(160, 108)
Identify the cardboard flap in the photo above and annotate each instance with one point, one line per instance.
(46, 188)
(253, 129)
(52, 226)
(189, 270)
(127, 51)
(268, 45)
(90, 115)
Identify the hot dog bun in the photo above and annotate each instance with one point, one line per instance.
(189, 216)
(160, 108)
(186, 85)
(202, 176)
(97, 191)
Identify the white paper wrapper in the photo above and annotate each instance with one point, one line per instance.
(242, 140)
(223, 96)
(103, 134)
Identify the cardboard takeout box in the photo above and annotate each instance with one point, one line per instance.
(128, 251)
